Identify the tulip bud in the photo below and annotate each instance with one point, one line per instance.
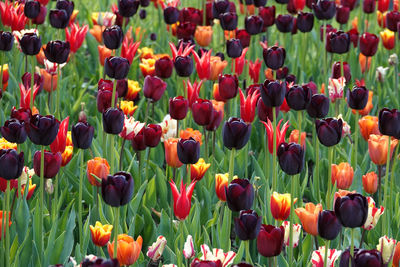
(154, 88)
(329, 131)
(58, 18)
(171, 15)
(202, 111)
(370, 182)
(352, 210)
(324, 9)
(183, 66)
(52, 163)
(178, 107)
(260, 3)
(228, 86)
(291, 158)
(229, 21)
(152, 134)
(117, 189)
(188, 151)
(319, 106)
(328, 225)
(236, 133)
(284, 23)
(116, 67)
(31, 9)
(273, 93)
(82, 135)
(57, 51)
(66, 5)
(188, 249)
(270, 240)
(337, 72)
(113, 37)
(234, 48)
(30, 44)
(369, 44)
(14, 131)
(219, 7)
(11, 164)
(113, 120)
(268, 15)
(274, 57)
(298, 98)
(42, 130)
(248, 225)
(342, 14)
(128, 8)
(389, 122)
(254, 24)
(339, 42)
(6, 41)
(164, 67)
(358, 97)
(305, 21)
(240, 195)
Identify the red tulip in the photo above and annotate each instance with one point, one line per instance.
(254, 69)
(25, 101)
(129, 49)
(270, 240)
(52, 163)
(193, 91)
(76, 36)
(280, 134)
(203, 67)
(240, 61)
(60, 142)
(182, 200)
(248, 105)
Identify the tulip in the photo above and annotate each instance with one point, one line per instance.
(296, 233)
(378, 148)
(30, 44)
(88, 262)
(198, 170)
(113, 120)
(189, 132)
(152, 134)
(203, 111)
(240, 195)
(274, 57)
(221, 184)
(117, 189)
(97, 167)
(11, 163)
(319, 106)
(305, 21)
(113, 37)
(260, 3)
(171, 154)
(368, 125)
(186, 30)
(6, 41)
(163, 67)
(188, 151)
(329, 131)
(116, 67)
(42, 130)
(291, 158)
(386, 247)
(183, 66)
(368, 6)
(32, 9)
(280, 134)
(217, 66)
(59, 18)
(389, 122)
(388, 39)
(342, 175)
(100, 233)
(392, 19)
(219, 7)
(298, 97)
(218, 115)
(337, 72)
(267, 13)
(368, 258)
(270, 240)
(329, 225)
(138, 140)
(14, 131)
(203, 67)
(338, 42)
(128, 250)
(188, 249)
(147, 66)
(228, 86)
(336, 88)
(236, 133)
(248, 105)
(234, 48)
(153, 88)
(57, 51)
(104, 96)
(370, 182)
(351, 210)
(374, 214)
(75, 36)
(273, 93)
(52, 163)
(284, 23)
(342, 14)
(253, 24)
(182, 199)
(280, 206)
(229, 21)
(178, 107)
(155, 251)
(128, 8)
(368, 44)
(324, 9)
(358, 97)
(190, 14)
(318, 257)
(309, 217)
(247, 225)
(60, 143)
(171, 15)
(66, 5)
(82, 135)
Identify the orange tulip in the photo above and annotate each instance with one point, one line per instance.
(47, 81)
(203, 35)
(128, 250)
(217, 67)
(309, 217)
(381, 18)
(31, 189)
(198, 170)
(396, 256)
(362, 60)
(370, 182)
(97, 32)
(388, 39)
(40, 57)
(171, 153)
(100, 233)
(99, 167)
(368, 107)
(147, 66)
(128, 107)
(342, 175)
(133, 90)
(294, 137)
(378, 148)
(66, 156)
(280, 206)
(368, 125)
(3, 215)
(4, 144)
(269, 74)
(104, 53)
(221, 183)
(189, 132)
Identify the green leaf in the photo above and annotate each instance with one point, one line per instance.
(69, 243)
(22, 218)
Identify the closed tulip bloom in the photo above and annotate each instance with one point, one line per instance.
(270, 240)
(352, 210)
(291, 158)
(171, 15)
(117, 189)
(253, 24)
(240, 195)
(329, 131)
(113, 120)
(164, 67)
(339, 42)
(280, 206)
(154, 88)
(389, 122)
(221, 184)
(42, 130)
(342, 175)
(218, 115)
(104, 96)
(178, 107)
(247, 225)
(171, 153)
(100, 233)
(113, 37)
(267, 13)
(370, 182)
(182, 199)
(202, 111)
(260, 3)
(274, 57)
(116, 67)
(229, 21)
(57, 51)
(183, 66)
(284, 23)
(308, 217)
(324, 9)
(82, 135)
(392, 19)
(128, 8)
(191, 14)
(188, 151)
(337, 72)
(14, 131)
(369, 44)
(388, 39)
(378, 148)
(138, 141)
(329, 225)
(39, 20)
(95, 261)
(11, 164)
(357, 98)
(198, 170)
(219, 7)
(273, 93)
(236, 133)
(58, 18)
(98, 167)
(152, 134)
(52, 163)
(342, 14)
(186, 30)
(368, 6)
(368, 258)
(319, 106)
(6, 41)
(66, 5)
(298, 97)
(386, 247)
(30, 44)
(21, 114)
(234, 48)
(305, 21)
(228, 86)
(128, 250)
(31, 9)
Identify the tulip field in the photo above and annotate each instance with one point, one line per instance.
(202, 133)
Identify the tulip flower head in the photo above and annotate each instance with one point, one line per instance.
(128, 250)
(296, 233)
(291, 158)
(280, 134)
(342, 175)
(100, 233)
(370, 182)
(247, 225)
(336, 87)
(240, 62)
(309, 217)
(198, 170)
(236, 133)
(188, 249)
(203, 67)
(248, 105)
(226, 258)
(386, 247)
(155, 251)
(368, 125)
(182, 199)
(270, 240)
(52, 163)
(352, 210)
(11, 163)
(378, 148)
(98, 167)
(389, 122)
(317, 258)
(329, 131)
(117, 189)
(374, 214)
(192, 91)
(221, 184)
(240, 195)
(280, 206)
(329, 225)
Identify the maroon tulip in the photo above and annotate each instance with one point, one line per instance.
(82, 135)
(358, 97)
(117, 190)
(37, 80)
(52, 163)
(369, 44)
(253, 24)
(138, 141)
(104, 95)
(234, 48)
(353, 36)
(352, 210)
(329, 131)
(282, 73)
(21, 114)
(178, 107)
(342, 14)
(198, 263)
(6, 41)
(339, 42)
(164, 67)
(229, 21)
(113, 120)
(244, 37)
(284, 23)
(260, 3)
(39, 20)
(268, 15)
(202, 111)
(392, 19)
(216, 120)
(328, 225)
(188, 150)
(368, 6)
(248, 225)
(153, 88)
(186, 30)
(273, 93)
(274, 57)
(270, 240)
(239, 195)
(191, 14)
(348, 3)
(228, 86)
(305, 21)
(152, 134)
(337, 72)
(11, 163)
(264, 112)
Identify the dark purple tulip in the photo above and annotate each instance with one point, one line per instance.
(319, 106)
(37, 80)
(117, 189)
(389, 122)
(298, 97)
(39, 20)
(122, 88)
(274, 57)
(248, 225)
(30, 44)
(236, 133)
(392, 19)
(183, 66)
(99, 262)
(229, 21)
(309, 3)
(291, 158)
(116, 67)
(113, 37)
(342, 14)
(337, 72)
(268, 15)
(339, 42)
(242, 264)
(6, 41)
(191, 14)
(368, 258)
(66, 5)
(14, 131)
(270, 240)
(273, 93)
(31, 9)
(138, 141)
(21, 114)
(234, 48)
(154, 88)
(368, 6)
(143, 15)
(282, 2)
(128, 8)
(216, 120)
(348, 3)
(368, 44)
(188, 150)
(202, 111)
(329, 131)
(328, 225)
(186, 30)
(284, 23)
(260, 3)
(57, 51)
(171, 15)
(152, 134)
(178, 107)
(113, 120)
(144, 3)
(228, 86)
(290, 78)
(164, 67)
(239, 195)
(282, 73)
(253, 24)
(324, 9)
(345, 257)
(353, 36)
(244, 38)
(305, 21)
(11, 164)
(352, 210)
(358, 97)
(82, 135)
(42, 130)
(58, 18)
(219, 7)
(265, 112)
(52, 163)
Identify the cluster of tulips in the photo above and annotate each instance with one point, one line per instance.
(116, 80)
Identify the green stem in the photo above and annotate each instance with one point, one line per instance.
(299, 122)
(116, 226)
(55, 198)
(231, 165)
(7, 228)
(392, 185)
(147, 163)
(274, 165)
(113, 94)
(355, 146)
(80, 198)
(121, 154)
(385, 189)
(316, 173)
(329, 191)
(292, 183)
(205, 144)
(40, 248)
(351, 245)
(325, 54)
(32, 81)
(248, 255)
(112, 155)
(326, 253)
(58, 104)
